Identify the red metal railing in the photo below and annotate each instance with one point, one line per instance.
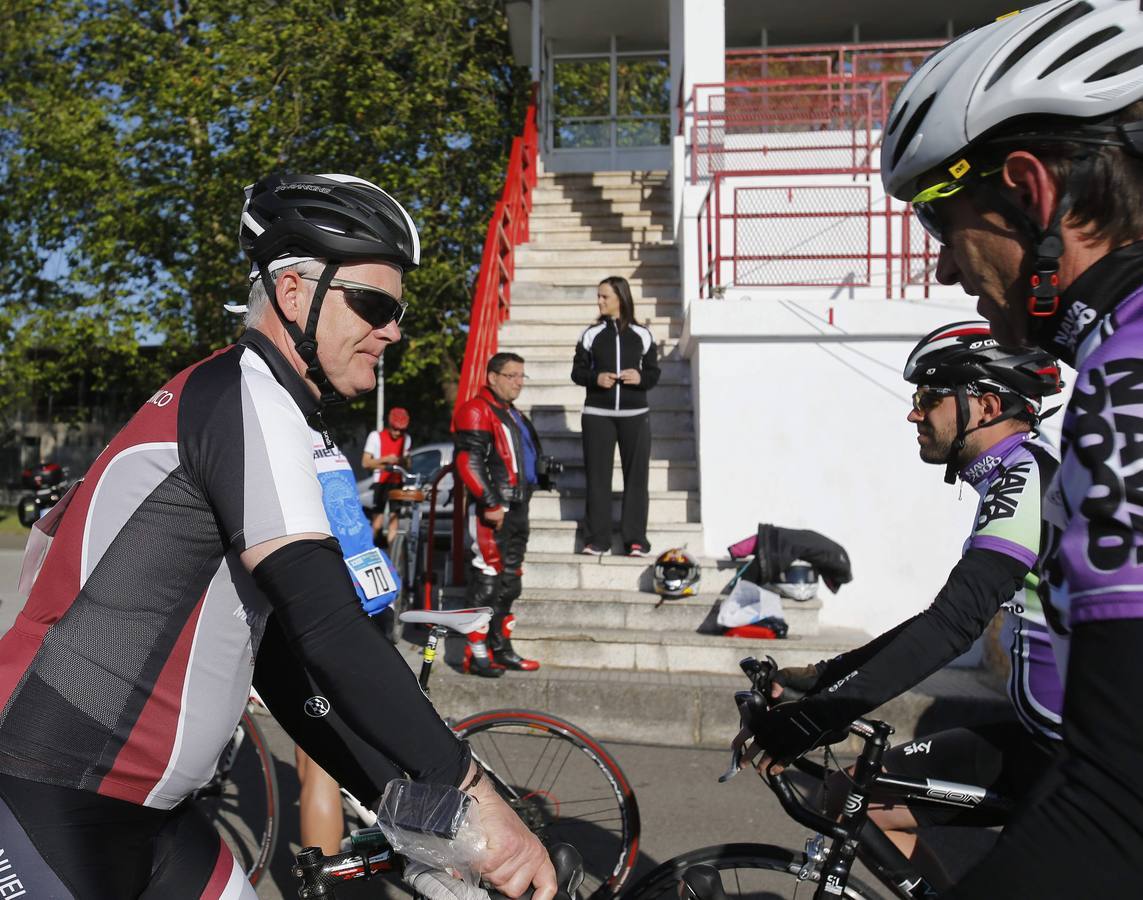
(798, 234)
(492, 295)
(856, 59)
(807, 123)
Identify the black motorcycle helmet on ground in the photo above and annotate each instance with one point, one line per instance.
(964, 358)
(338, 219)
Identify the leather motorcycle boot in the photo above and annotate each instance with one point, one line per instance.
(500, 642)
(477, 659)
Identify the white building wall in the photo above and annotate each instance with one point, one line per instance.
(802, 424)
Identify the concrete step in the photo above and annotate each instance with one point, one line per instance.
(603, 230)
(662, 327)
(594, 254)
(642, 291)
(569, 445)
(653, 178)
(547, 220)
(555, 204)
(645, 650)
(590, 272)
(663, 506)
(662, 474)
(545, 369)
(553, 417)
(573, 571)
(602, 193)
(637, 612)
(695, 709)
(562, 353)
(565, 393)
(552, 536)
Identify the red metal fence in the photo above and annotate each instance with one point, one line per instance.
(808, 234)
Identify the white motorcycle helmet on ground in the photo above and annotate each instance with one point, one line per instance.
(798, 582)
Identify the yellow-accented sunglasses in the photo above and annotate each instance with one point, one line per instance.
(962, 177)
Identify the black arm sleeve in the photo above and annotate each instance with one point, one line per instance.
(285, 686)
(832, 670)
(359, 671)
(975, 590)
(583, 372)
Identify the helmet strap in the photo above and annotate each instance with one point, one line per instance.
(1047, 243)
(305, 342)
(952, 464)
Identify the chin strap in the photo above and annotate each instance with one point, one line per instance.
(305, 343)
(952, 461)
(1047, 243)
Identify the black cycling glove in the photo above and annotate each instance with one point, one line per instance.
(788, 730)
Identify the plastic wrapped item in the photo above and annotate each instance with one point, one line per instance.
(747, 604)
(434, 824)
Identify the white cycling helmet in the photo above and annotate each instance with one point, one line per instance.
(1064, 58)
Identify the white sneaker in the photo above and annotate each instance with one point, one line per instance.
(589, 550)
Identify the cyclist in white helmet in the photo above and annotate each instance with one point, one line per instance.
(1020, 145)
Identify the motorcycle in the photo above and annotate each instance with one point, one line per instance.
(47, 483)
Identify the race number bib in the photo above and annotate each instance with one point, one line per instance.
(372, 573)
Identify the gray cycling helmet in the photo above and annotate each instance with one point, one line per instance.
(1081, 60)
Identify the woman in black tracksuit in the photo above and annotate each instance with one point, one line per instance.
(617, 361)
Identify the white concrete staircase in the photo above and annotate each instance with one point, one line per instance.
(579, 611)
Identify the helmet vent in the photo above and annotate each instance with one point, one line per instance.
(911, 128)
(901, 114)
(1060, 22)
(1088, 43)
(1119, 66)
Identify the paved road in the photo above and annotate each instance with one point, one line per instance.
(682, 804)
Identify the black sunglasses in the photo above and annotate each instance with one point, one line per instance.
(375, 306)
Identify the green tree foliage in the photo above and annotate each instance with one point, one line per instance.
(128, 129)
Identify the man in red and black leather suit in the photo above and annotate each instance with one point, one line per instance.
(496, 453)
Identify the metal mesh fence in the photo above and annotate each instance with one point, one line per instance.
(814, 235)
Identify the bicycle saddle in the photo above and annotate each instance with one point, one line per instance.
(461, 620)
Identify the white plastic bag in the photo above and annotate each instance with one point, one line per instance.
(747, 604)
(435, 824)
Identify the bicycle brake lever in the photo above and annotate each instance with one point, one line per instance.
(740, 753)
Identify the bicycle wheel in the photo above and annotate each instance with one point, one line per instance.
(390, 616)
(564, 786)
(241, 800)
(748, 871)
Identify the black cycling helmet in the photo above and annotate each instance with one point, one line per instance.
(676, 573)
(333, 217)
(288, 219)
(964, 357)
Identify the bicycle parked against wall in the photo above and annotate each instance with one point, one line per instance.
(555, 775)
(823, 869)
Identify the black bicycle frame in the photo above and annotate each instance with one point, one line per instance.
(855, 836)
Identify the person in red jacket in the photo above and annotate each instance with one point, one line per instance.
(496, 453)
(387, 447)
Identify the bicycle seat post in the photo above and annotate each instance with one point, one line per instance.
(430, 653)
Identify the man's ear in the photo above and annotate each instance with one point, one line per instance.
(991, 406)
(291, 296)
(1033, 184)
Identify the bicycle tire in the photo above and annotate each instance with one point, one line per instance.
(241, 800)
(741, 867)
(391, 615)
(564, 786)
